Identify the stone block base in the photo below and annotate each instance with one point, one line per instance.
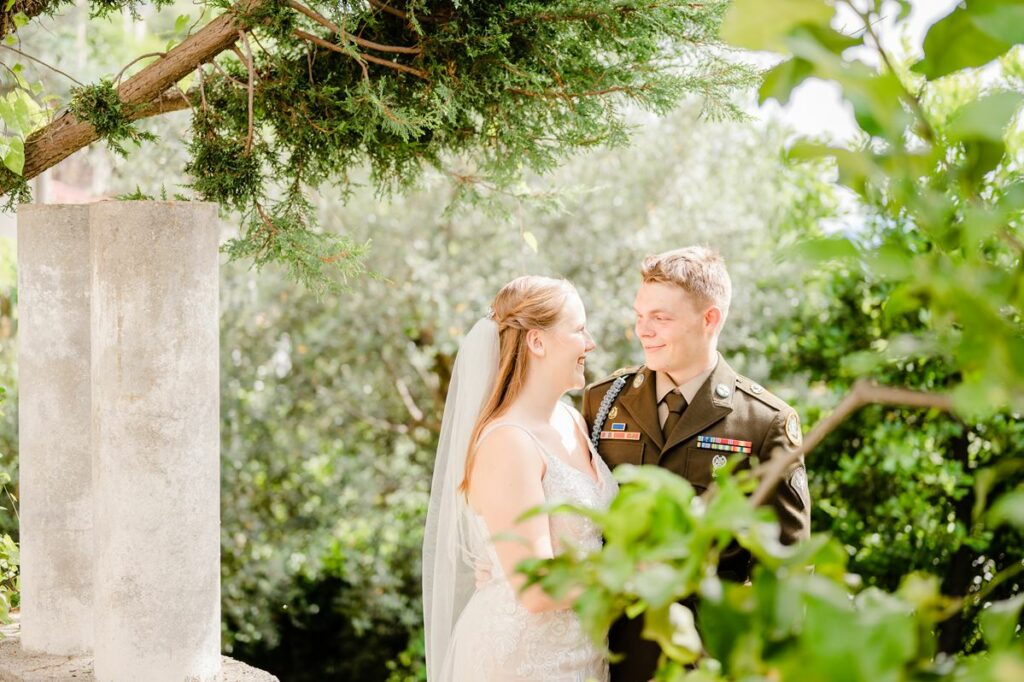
(17, 665)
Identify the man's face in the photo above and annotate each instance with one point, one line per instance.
(675, 330)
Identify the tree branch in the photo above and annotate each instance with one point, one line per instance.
(557, 94)
(410, 404)
(52, 144)
(597, 16)
(390, 10)
(40, 61)
(334, 28)
(863, 393)
(251, 88)
(172, 99)
(117, 78)
(368, 57)
(224, 74)
(928, 132)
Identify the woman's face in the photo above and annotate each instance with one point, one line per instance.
(566, 344)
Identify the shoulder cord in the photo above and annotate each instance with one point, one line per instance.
(605, 407)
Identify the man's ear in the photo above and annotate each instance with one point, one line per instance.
(534, 342)
(713, 318)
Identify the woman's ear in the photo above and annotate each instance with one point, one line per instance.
(535, 342)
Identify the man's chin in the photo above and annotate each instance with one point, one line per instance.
(652, 363)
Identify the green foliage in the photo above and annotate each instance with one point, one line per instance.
(324, 483)
(102, 8)
(949, 181)
(924, 292)
(10, 588)
(331, 411)
(971, 36)
(223, 169)
(20, 114)
(139, 195)
(495, 90)
(321, 532)
(19, 193)
(491, 91)
(101, 106)
(802, 617)
(899, 488)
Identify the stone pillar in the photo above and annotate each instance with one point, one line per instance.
(54, 421)
(155, 439)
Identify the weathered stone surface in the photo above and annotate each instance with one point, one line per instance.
(54, 422)
(16, 665)
(156, 440)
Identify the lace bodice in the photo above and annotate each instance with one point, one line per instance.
(499, 640)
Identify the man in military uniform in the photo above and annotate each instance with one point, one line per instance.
(686, 410)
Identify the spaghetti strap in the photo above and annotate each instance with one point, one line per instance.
(580, 426)
(494, 426)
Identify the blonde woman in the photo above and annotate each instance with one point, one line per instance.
(508, 444)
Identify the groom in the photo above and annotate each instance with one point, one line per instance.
(685, 409)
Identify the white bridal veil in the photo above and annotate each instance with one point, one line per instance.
(448, 574)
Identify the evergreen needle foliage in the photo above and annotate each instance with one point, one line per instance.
(311, 91)
(101, 106)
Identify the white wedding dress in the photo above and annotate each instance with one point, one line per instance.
(496, 639)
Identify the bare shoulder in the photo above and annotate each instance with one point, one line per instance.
(508, 448)
(508, 468)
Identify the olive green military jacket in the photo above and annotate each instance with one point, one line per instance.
(730, 414)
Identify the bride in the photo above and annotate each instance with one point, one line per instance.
(508, 444)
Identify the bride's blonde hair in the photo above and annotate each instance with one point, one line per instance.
(525, 303)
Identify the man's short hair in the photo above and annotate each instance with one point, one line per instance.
(699, 270)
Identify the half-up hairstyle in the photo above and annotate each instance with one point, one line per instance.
(525, 303)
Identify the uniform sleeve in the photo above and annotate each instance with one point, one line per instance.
(791, 499)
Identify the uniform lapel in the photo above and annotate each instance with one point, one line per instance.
(707, 407)
(642, 405)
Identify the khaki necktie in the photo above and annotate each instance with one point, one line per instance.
(676, 406)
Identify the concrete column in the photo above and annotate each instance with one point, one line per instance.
(155, 438)
(54, 421)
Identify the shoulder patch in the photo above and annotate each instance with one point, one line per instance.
(793, 431)
(756, 390)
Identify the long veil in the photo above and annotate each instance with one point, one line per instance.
(448, 579)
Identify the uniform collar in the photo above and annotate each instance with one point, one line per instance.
(663, 383)
(637, 399)
(712, 402)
